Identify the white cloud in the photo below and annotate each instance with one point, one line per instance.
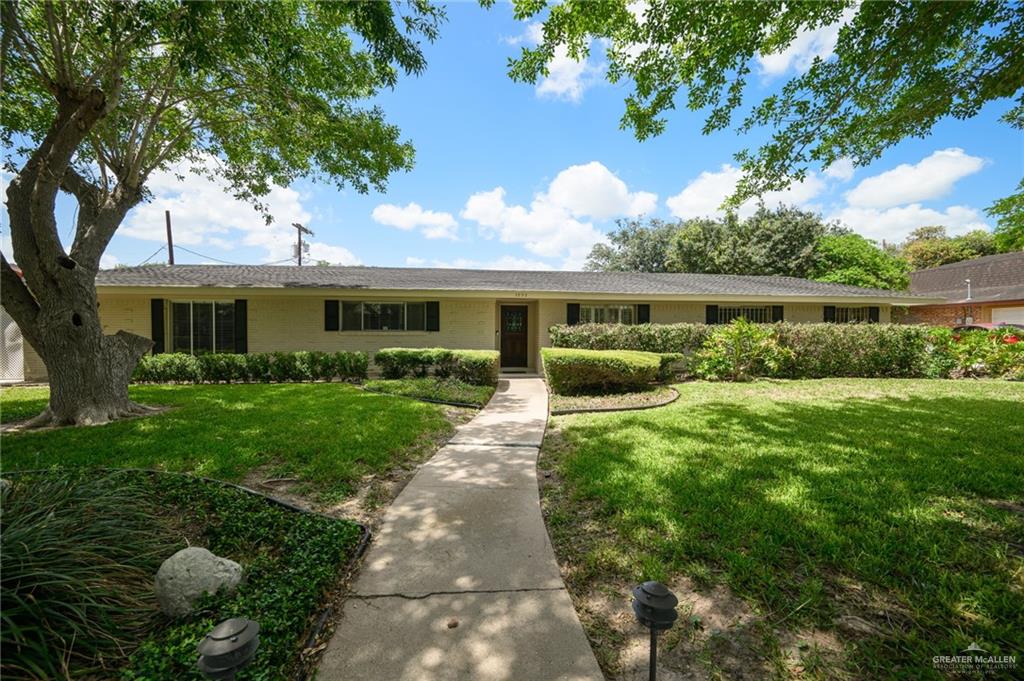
(567, 79)
(557, 222)
(591, 189)
(505, 262)
(894, 224)
(703, 196)
(930, 178)
(434, 225)
(805, 48)
(108, 261)
(203, 212)
(841, 170)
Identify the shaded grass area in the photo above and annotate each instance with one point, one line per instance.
(54, 589)
(654, 395)
(327, 434)
(429, 388)
(895, 502)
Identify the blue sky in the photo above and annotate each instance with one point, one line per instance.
(522, 176)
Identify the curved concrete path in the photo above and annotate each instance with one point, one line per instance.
(461, 582)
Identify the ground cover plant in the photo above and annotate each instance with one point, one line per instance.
(885, 514)
(432, 388)
(80, 549)
(328, 435)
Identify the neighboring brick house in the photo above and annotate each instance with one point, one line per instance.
(995, 292)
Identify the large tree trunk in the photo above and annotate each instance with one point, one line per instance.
(89, 371)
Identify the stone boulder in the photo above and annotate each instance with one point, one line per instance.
(189, 574)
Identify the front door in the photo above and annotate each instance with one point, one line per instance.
(513, 336)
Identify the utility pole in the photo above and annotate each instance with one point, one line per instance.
(300, 230)
(170, 241)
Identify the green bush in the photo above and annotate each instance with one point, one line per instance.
(791, 350)
(479, 367)
(680, 338)
(253, 367)
(572, 372)
(853, 350)
(739, 351)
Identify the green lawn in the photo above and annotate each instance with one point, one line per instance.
(328, 434)
(448, 390)
(898, 502)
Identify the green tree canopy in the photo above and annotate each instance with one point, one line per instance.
(780, 242)
(635, 247)
(932, 246)
(98, 94)
(851, 259)
(898, 69)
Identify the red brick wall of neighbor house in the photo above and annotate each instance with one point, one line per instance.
(951, 315)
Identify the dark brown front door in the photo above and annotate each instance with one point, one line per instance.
(513, 336)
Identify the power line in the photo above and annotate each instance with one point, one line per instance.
(151, 257)
(208, 257)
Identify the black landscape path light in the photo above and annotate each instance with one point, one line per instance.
(228, 647)
(655, 608)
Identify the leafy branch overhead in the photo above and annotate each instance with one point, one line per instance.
(898, 68)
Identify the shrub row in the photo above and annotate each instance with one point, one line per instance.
(571, 372)
(479, 367)
(256, 367)
(743, 350)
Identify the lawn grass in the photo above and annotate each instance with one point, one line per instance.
(326, 434)
(448, 390)
(897, 502)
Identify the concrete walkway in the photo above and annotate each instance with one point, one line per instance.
(461, 582)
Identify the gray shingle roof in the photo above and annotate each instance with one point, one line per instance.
(994, 278)
(410, 278)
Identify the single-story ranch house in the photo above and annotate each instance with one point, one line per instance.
(220, 308)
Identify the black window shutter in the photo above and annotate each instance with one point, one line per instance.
(830, 314)
(873, 314)
(643, 314)
(241, 326)
(710, 314)
(156, 313)
(572, 313)
(433, 322)
(331, 315)
(776, 313)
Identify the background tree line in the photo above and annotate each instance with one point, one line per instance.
(788, 242)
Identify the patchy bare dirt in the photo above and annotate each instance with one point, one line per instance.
(718, 635)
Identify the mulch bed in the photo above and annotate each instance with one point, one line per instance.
(584, 404)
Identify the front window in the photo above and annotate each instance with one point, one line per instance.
(202, 326)
(758, 314)
(608, 314)
(368, 316)
(852, 314)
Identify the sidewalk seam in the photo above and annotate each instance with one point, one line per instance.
(420, 597)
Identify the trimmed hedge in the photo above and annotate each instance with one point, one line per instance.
(256, 367)
(789, 350)
(479, 367)
(681, 338)
(572, 372)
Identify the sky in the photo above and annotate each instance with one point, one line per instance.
(521, 176)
